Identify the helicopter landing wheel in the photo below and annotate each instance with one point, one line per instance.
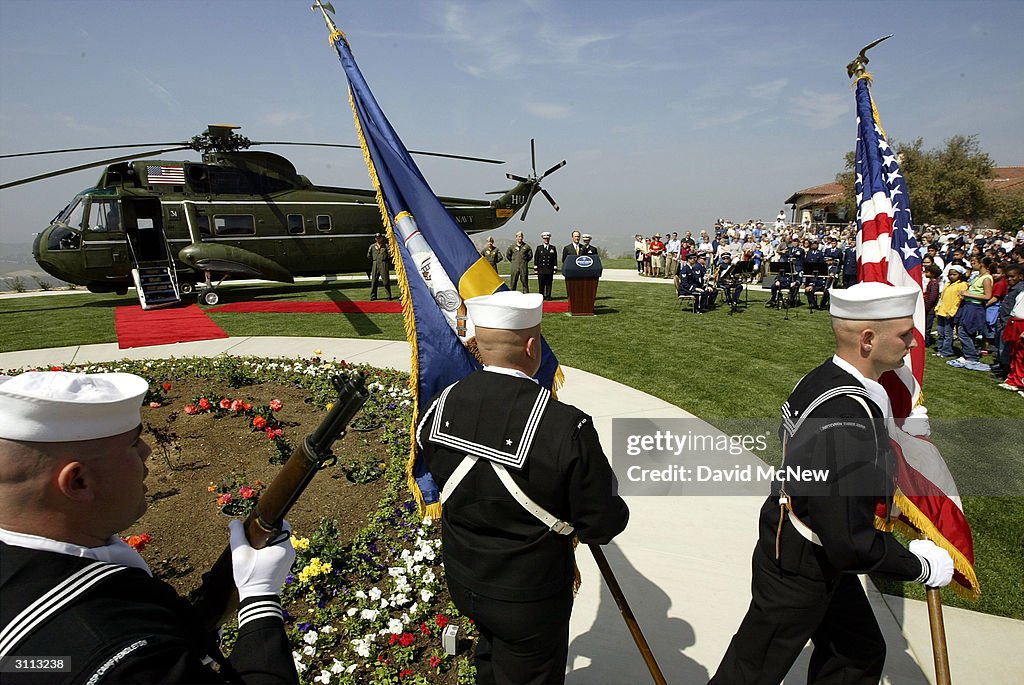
(210, 297)
(121, 291)
(187, 288)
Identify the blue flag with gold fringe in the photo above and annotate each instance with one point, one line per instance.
(439, 267)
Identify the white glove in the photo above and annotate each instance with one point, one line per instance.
(917, 423)
(936, 564)
(259, 571)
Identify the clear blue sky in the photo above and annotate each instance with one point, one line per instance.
(670, 113)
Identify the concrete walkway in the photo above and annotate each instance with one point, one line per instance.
(683, 562)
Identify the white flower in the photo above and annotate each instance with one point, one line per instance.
(383, 603)
(375, 593)
(395, 626)
(360, 594)
(297, 658)
(337, 666)
(362, 646)
(309, 650)
(352, 611)
(399, 599)
(369, 614)
(310, 637)
(396, 571)
(426, 595)
(324, 677)
(412, 609)
(427, 521)
(350, 668)
(327, 630)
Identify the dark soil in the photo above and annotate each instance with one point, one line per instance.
(191, 452)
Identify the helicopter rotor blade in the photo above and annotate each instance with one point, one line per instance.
(520, 179)
(553, 169)
(550, 199)
(533, 158)
(80, 167)
(529, 199)
(356, 147)
(86, 149)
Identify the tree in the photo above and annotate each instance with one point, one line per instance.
(945, 185)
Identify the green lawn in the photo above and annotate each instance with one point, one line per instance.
(717, 366)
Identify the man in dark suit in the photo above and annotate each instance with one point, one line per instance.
(520, 474)
(573, 248)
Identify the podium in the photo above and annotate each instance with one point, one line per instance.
(582, 273)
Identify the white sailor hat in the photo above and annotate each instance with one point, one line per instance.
(508, 309)
(58, 406)
(545, 234)
(873, 301)
(586, 236)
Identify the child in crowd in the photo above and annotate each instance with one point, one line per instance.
(947, 307)
(931, 298)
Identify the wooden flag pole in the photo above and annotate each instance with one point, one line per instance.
(939, 651)
(627, 615)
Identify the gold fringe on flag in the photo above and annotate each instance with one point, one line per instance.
(919, 523)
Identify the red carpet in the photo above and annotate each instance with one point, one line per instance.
(346, 307)
(138, 328)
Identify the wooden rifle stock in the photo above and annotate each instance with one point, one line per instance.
(216, 600)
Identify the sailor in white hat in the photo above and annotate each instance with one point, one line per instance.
(545, 261)
(817, 535)
(587, 248)
(520, 474)
(72, 472)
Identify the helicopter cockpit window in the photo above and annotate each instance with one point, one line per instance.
(234, 224)
(63, 238)
(74, 216)
(296, 226)
(104, 216)
(323, 223)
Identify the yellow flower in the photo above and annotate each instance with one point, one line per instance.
(330, 406)
(300, 543)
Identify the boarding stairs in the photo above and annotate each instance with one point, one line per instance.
(156, 280)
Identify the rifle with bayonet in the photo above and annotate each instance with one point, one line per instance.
(216, 600)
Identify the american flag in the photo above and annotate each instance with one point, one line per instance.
(927, 501)
(164, 174)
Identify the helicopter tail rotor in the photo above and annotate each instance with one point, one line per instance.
(534, 180)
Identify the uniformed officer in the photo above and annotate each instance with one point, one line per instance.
(850, 263)
(72, 466)
(520, 474)
(816, 291)
(785, 289)
(545, 260)
(380, 270)
(707, 293)
(814, 255)
(796, 255)
(519, 255)
(491, 254)
(814, 538)
(586, 247)
(729, 281)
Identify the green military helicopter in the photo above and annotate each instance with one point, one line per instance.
(170, 228)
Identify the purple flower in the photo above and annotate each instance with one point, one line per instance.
(289, 579)
(303, 627)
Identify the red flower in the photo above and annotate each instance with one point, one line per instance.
(246, 492)
(435, 661)
(56, 368)
(246, 406)
(405, 672)
(275, 405)
(224, 499)
(191, 409)
(425, 629)
(225, 403)
(166, 386)
(441, 620)
(237, 406)
(155, 405)
(406, 639)
(392, 639)
(204, 403)
(137, 542)
(259, 423)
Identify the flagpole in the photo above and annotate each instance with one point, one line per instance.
(939, 651)
(627, 615)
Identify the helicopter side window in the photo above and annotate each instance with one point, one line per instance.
(203, 224)
(296, 226)
(104, 216)
(234, 224)
(323, 223)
